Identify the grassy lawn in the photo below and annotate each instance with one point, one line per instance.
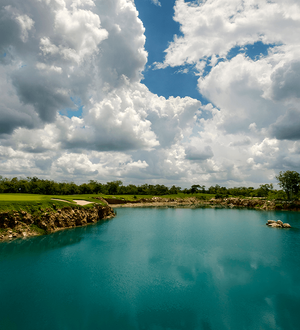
(34, 202)
(23, 198)
(87, 197)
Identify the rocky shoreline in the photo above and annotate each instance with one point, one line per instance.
(256, 203)
(21, 224)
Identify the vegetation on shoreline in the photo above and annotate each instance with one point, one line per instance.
(22, 216)
(30, 207)
(52, 188)
(289, 181)
(35, 202)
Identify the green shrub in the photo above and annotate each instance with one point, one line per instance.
(277, 194)
(40, 231)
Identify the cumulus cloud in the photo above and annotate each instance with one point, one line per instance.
(252, 98)
(69, 53)
(112, 124)
(58, 52)
(41, 65)
(212, 28)
(194, 153)
(285, 81)
(170, 118)
(287, 126)
(89, 56)
(62, 55)
(238, 143)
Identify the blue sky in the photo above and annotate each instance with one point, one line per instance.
(171, 81)
(160, 31)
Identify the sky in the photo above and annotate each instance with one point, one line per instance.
(147, 91)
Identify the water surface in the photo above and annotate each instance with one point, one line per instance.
(158, 269)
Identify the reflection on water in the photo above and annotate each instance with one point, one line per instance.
(40, 244)
(157, 269)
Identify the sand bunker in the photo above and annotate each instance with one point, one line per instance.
(81, 202)
(77, 201)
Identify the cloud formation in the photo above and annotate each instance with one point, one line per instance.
(253, 97)
(87, 58)
(287, 126)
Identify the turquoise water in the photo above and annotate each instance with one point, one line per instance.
(158, 269)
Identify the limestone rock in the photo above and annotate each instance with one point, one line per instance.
(287, 225)
(277, 224)
(18, 223)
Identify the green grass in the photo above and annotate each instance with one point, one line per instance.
(22, 197)
(87, 197)
(30, 206)
(35, 203)
(38, 230)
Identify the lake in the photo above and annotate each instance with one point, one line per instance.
(158, 269)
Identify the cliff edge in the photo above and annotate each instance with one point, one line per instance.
(17, 224)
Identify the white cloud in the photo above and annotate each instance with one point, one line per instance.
(26, 24)
(287, 126)
(79, 31)
(253, 98)
(115, 123)
(24, 21)
(58, 51)
(156, 2)
(213, 27)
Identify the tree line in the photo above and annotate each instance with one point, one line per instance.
(289, 181)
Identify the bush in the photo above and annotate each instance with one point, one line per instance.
(277, 194)
(220, 196)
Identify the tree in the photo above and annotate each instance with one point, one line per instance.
(113, 187)
(289, 181)
(194, 188)
(174, 190)
(264, 190)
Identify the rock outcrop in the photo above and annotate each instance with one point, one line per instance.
(277, 224)
(256, 202)
(23, 224)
